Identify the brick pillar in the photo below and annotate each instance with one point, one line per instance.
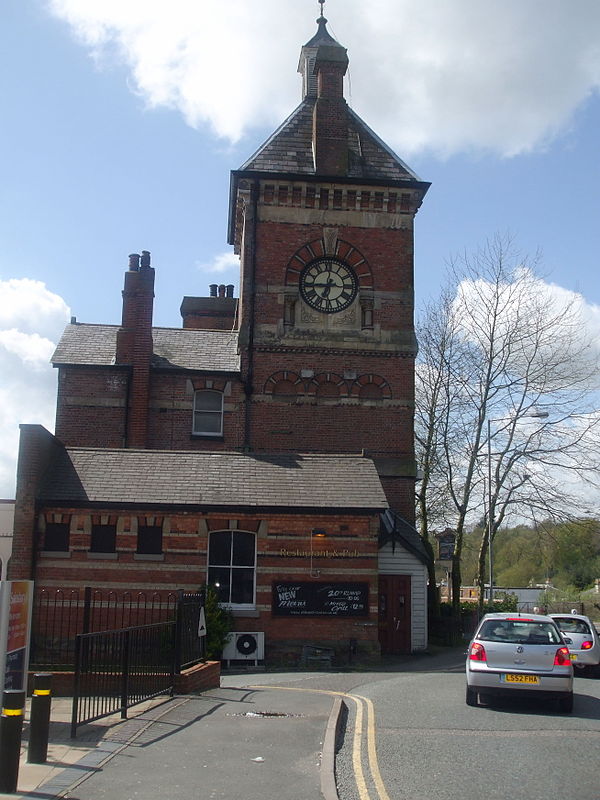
(36, 448)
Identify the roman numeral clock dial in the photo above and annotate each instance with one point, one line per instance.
(328, 285)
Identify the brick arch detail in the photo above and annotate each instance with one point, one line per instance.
(374, 381)
(216, 384)
(316, 249)
(284, 375)
(324, 378)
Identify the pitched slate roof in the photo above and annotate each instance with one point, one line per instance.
(289, 150)
(176, 348)
(80, 476)
(397, 530)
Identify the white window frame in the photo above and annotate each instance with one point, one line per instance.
(197, 410)
(234, 606)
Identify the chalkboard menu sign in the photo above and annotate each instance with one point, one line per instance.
(303, 599)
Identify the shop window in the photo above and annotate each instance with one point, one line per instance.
(56, 538)
(232, 567)
(208, 413)
(149, 540)
(104, 539)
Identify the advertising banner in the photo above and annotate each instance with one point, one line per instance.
(16, 605)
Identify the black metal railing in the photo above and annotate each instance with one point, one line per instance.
(190, 647)
(115, 670)
(61, 614)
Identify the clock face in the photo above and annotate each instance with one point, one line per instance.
(328, 285)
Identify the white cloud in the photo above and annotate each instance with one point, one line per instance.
(223, 262)
(31, 320)
(434, 75)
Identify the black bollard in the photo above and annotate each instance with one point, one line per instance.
(39, 718)
(11, 729)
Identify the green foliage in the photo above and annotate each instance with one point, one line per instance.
(566, 554)
(219, 623)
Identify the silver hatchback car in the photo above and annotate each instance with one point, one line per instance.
(517, 655)
(582, 639)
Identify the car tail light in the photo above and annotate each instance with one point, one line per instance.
(587, 645)
(562, 657)
(477, 652)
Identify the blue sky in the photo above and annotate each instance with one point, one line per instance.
(121, 123)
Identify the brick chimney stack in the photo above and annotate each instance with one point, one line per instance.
(135, 345)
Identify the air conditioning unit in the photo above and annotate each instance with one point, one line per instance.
(245, 646)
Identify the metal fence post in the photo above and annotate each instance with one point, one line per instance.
(39, 718)
(87, 607)
(11, 730)
(125, 643)
(76, 688)
(178, 634)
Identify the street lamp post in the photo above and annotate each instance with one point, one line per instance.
(537, 415)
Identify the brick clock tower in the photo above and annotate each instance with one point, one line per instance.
(265, 448)
(322, 216)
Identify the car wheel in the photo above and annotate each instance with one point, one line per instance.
(565, 704)
(471, 697)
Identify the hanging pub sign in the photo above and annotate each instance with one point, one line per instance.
(313, 599)
(446, 542)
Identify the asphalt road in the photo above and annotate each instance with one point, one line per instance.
(430, 744)
(408, 734)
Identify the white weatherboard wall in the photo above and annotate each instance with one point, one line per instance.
(402, 562)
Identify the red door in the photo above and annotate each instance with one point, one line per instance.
(394, 613)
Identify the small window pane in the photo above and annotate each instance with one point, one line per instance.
(209, 401)
(205, 422)
(56, 537)
(104, 539)
(243, 549)
(149, 540)
(242, 586)
(218, 577)
(220, 548)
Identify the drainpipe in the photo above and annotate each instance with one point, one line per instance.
(249, 381)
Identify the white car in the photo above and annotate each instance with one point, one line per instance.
(519, 655)
(582, 640)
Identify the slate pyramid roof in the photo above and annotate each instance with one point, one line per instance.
(289, 150)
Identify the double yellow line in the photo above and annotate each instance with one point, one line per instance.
(365, 718)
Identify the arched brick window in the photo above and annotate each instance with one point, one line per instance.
(284, 384)
(328, 385)
(371, 387)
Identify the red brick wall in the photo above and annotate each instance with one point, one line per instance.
(348, 553)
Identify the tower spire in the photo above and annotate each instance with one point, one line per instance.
(322, 3)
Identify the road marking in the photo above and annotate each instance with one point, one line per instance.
(372, 750)
(359, 776)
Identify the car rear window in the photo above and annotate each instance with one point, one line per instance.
(519, 632)
(568, 625)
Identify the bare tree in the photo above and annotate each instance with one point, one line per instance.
(505, 399)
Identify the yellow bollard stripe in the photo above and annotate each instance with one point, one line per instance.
(12, 712)
(41, 692)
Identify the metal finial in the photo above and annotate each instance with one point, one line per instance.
(322, 3)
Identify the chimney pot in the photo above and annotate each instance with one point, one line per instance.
(134, 262)
(213, 289)
(145, 260)
(221, 290)
(229, 290)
